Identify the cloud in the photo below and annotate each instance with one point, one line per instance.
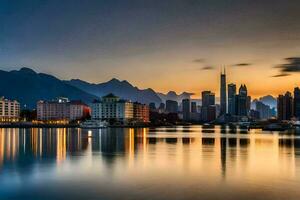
(281, 75)
(292, 65)
(199, 60)
(241, 64)
(207, 68)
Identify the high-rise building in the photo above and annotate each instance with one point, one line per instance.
(171, 106)
(241, 102)
(186, 109)
(297, 102)
(231, 98)
(208, 109)
(193, 107)
(9, 110)
(208, 98)
(223, 99)
(285, 106)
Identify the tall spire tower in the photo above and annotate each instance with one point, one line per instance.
(223, 98)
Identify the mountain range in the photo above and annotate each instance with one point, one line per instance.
(122, 89)
(28, 86)
(175, 97)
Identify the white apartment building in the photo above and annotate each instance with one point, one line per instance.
(112, 108)
(9, 110)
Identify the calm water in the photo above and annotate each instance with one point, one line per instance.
(161, 163)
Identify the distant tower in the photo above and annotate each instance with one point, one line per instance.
(223, 99)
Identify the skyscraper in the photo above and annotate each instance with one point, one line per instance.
(186, 109)
(231, 98)
(208, 109)
(223, 98)
(285, 106)
(297, 102)
(208, 98)
(241, 101)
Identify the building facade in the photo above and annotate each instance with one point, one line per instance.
(115, 110)
(171, 106)
(241, 102)
(285, 106)
(61, 110)
(9, 110)
(297, 103)
(231, 98)
(186, 109)
(208, 109)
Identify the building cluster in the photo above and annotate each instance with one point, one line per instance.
(232, 104)
(109, 108)
(288, 105)
(61, 110)
(115, 110)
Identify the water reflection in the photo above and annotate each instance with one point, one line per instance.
(188, 153)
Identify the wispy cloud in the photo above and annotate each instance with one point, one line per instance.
(281, 75)
(292, 65)
(199, 60)
(207, 68)
(242, 64)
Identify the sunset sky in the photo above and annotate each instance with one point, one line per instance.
(175, 45)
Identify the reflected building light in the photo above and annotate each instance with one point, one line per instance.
(61, 145)
(2, 138)
(34, 141)
(131, 145)
(144, 139)
(40, 142)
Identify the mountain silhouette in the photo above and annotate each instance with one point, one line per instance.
(269, 100)
(122, 89)
(171, 95)
(28, 87)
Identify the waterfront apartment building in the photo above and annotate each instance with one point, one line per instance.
(61, 109)
(9, 110)
(115, 110)
(141, 112)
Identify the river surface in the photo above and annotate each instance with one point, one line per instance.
(190, 162)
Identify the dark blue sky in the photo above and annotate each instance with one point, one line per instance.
(154, 43)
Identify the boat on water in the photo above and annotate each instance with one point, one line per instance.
(90, 124)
